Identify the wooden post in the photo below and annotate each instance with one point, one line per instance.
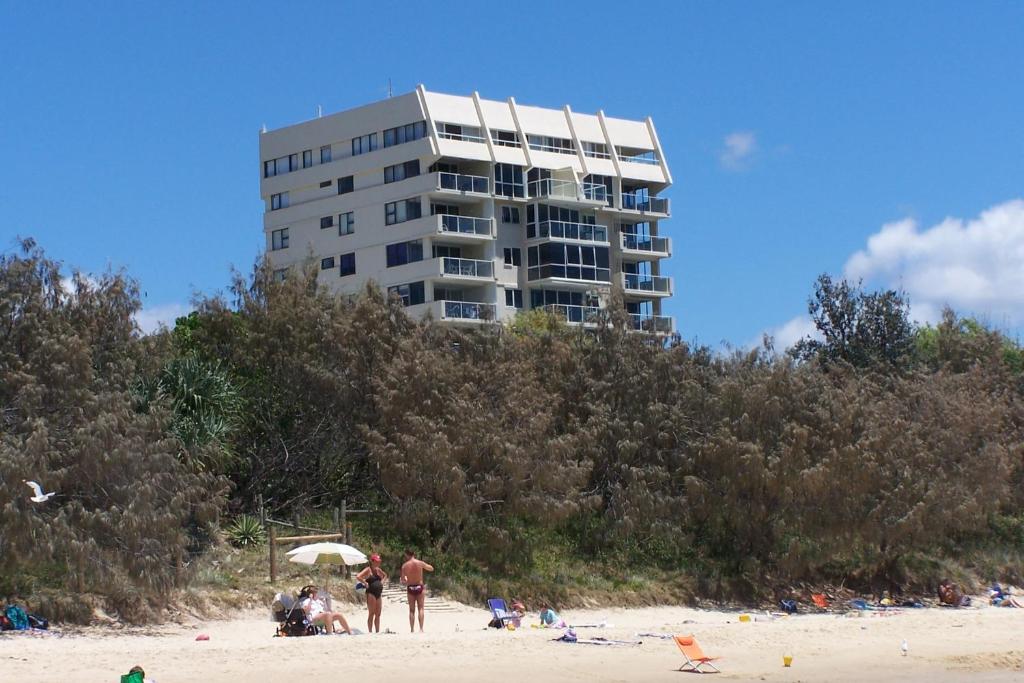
(344, 516)
(336, 518)
(348, 540)
(271, 544)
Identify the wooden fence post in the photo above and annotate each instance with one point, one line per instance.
(348, 540)
(272, 543)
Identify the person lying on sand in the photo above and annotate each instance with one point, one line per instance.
(317, 613)
(949, 594)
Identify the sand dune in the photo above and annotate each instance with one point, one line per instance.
(945, 645)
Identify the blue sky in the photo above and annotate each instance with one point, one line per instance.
(795, 131)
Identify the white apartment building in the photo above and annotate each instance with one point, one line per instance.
(471, 209)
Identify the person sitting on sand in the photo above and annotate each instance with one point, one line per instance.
(999, 598)
(317, 612)
(549, 618)
(949, 594)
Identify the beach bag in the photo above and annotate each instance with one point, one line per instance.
(133, 677)
(17, 617)
(36, 621)
(788, 606)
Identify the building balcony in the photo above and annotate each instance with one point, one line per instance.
(645, 204)
(647, 285)
(578, 232)
(466, 269)
(645, 246)
(560, 191)
(571, 276)
(469, 312)
(463, 184)
(656, 324)
(465, 228)
(576, 315)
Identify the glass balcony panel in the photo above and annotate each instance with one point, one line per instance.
(467, 267)
(465, 225)
(463, 183)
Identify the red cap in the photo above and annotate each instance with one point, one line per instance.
(375, 558)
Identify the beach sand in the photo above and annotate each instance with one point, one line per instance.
(981, 644)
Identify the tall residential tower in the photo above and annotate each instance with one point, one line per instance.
(474, 209)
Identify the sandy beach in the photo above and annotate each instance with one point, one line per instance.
(981, 644)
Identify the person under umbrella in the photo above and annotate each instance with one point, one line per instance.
(317, 612)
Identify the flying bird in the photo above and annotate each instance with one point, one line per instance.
(40, 497)
(904, 648)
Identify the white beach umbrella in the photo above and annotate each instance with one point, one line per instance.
(326, 553)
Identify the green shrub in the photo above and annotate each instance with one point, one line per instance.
(246, 531)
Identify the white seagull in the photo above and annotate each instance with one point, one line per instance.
(904, 647)
(40, 497)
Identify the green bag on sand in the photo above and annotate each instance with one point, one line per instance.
(134, 677)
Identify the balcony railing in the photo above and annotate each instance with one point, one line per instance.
(595, 192)
(575, 314)
(641, 158)
(635, 202)
(463, 183)
(464, 137)
(644, 322)
(554, 188)
(584, 232)
(649, 243)
(571, 271)
(465, 225)
(467, 310)
(647, 283)
(465, 267)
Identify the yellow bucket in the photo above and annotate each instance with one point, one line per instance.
(744, 618)
(787, 660)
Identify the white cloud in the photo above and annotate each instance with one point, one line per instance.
(976, 266)
(737, 149)
(150, 319)
(788, 333)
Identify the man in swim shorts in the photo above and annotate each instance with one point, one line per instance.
(415, 590)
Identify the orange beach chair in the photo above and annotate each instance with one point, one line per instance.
(695, 657)
(820, 600)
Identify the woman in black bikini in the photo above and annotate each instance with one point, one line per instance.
(374, 578)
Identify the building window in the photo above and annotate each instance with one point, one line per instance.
(346, 223)
(347, 264)
(455, 131)
(364, 144)
(546, 143)
(307, 158)
(405, 210)
(444, 251)
(280, 274)
(569, 261)
(327, 263)
(409, 169)
(281, 165)
(325, 154)
(513, 257)
(510, 214)
(505, 138)
(346, 184)
(446, 209)
(279, 239)
(513, 298)
(637, 156)
(326, 222)
(508, 180)
(406, 133)
(410, 294)
(279, 201)
(404, 252)
(598, 150)
(326, 183)
(543, 220)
